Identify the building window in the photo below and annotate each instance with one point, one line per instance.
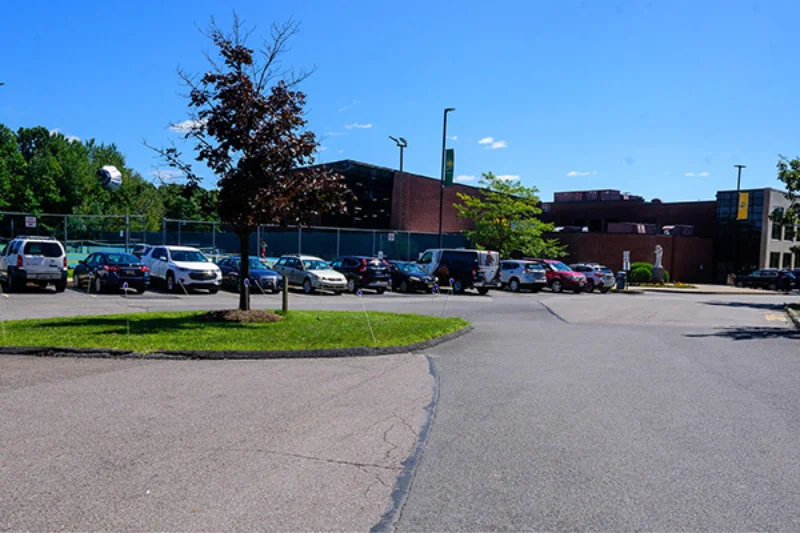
(787, 260)
(776, 231)
(774, 259)
(788, 233)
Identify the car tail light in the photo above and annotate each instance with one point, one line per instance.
(474, 273)
(385, 262)
(145, 269)
(65, 261)
(363, 267)
(111, 268)
(19, 261)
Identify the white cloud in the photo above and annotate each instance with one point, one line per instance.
(703, 174)
(70, 138)
(497, 144)
(486, 140)
(167, 174)
(464, 177)
(508, 177)
(574, 173)
(699, 174)
(336, 133)
(187, 126)
(346, 107)
(356, 125)
(341, 151)
(453, 138)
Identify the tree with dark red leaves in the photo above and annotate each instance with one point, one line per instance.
(248, 127)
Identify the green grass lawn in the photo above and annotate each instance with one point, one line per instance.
(300, 330)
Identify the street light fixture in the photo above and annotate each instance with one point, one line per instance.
(441, 184)
(401, 143)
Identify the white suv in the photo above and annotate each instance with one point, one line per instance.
(39, 260)
(181, 266)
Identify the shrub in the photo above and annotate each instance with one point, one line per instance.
(640, 275)
(641, 264)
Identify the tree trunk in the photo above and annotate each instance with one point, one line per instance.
(244, 289)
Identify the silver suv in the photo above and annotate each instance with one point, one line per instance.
(39, 260)
(516, 275)
(598, 276)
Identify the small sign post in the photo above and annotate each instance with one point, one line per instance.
(626, 260)
(391, 237)
(30, 222)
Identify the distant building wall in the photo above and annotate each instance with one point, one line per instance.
(417, 198)
(685, 258)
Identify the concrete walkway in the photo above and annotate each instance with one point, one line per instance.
(715, 289)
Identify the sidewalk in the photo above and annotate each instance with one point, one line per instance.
(706, 289)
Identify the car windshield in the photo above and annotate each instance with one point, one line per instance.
(257, 264)
(533, 266)
(121, 259)
(46, 249)
(188, 256)
(560, 266)
(411, 268)
(315, 264)
(605, 270)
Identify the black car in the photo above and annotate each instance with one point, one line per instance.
(768, 278)
(260, 275)
(409, 277)
(111, 270)
(364, 272)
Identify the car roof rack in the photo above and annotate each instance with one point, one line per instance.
(35, 237)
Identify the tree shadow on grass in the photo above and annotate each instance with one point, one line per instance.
(751, 333)
(752, 305)
(140, 325)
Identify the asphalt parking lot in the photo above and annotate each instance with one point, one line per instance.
(609, 412)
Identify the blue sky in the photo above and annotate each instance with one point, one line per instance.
(659, 98)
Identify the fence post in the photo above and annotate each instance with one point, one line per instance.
(299, 240)
(127, 233)
(258, 240)
(66, 234)
(12, 228)
(338, 238)
(408, 248)
(373, 243)
(163, 231)
(179, 231)
(214, 236)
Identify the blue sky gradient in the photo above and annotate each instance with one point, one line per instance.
(659, 98)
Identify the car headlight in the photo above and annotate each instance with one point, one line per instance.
(414, 278)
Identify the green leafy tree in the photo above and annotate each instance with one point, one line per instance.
(505, 215)
(789, 175)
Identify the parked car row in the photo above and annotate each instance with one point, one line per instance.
(772, 279)
(43, 261)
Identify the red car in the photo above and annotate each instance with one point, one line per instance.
(560, 276)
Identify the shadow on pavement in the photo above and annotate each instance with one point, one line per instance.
(751, 333)
(751, 305)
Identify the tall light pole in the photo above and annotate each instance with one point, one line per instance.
(736, 218)
(401, 143)
(441, 184)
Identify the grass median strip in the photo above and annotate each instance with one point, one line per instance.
(300, 330)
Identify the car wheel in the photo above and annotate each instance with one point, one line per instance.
(556, 286)
(590, 286)
(275, 291)
(513, 285)
(535, 289)
(605, 290)
(140, 290)
(98, 285)
(61, 286)
(404, 286)
(772, 287)
(12, 285)
(483, 291)
(740, 284)
(380, 291)
(308, 288)
(171, 285)
(213, 289)
(351, 285)
(458, 287)
(75, 281)
(577, 291)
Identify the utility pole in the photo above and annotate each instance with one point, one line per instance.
(441, 183)
(401, 143)
(736, 219)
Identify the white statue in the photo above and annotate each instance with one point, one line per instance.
(659, 255)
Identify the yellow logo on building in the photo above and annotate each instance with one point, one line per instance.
(744, 204)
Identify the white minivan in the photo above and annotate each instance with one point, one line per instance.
(468, 269)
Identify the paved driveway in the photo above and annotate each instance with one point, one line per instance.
(605, 412)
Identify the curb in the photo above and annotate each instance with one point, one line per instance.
(794, 316)
(718, 293)
(216, 355)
